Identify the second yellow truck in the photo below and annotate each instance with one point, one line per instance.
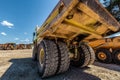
(107, 50)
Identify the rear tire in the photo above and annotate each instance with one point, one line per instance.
(86, 56)
(116, 56)
(48, 58)
(103, 55)
(92, 54)
(64, 60)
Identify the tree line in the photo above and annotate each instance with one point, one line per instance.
(113, 6)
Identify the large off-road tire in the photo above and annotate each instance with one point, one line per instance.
(92, 54)
(48, 58)
(34, 54)
(85, 56)
(116, 56)
(104, 55)
(63, 60)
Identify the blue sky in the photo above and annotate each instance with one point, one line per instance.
(18, 18)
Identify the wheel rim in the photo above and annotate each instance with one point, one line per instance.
(41, 56)
(118, 56)
(102, 55)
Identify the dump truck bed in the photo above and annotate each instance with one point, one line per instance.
(71, 18)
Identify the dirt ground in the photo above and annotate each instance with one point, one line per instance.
(18, 65)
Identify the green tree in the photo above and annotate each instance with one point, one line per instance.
(113, 6)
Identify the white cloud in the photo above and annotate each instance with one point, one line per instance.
(8, 24)
(16, 39)
(3, 33)
(26, 40)
(25, 33)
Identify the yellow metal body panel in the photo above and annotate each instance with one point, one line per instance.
(113, 43)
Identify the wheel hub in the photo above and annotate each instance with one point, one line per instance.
(102, 56)
(41, 56)
(118, 56)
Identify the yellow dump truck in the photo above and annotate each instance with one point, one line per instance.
(8, 46)
(107, 50)
(20, 46)
(1, 46)
(59, 42)
(28, 46)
